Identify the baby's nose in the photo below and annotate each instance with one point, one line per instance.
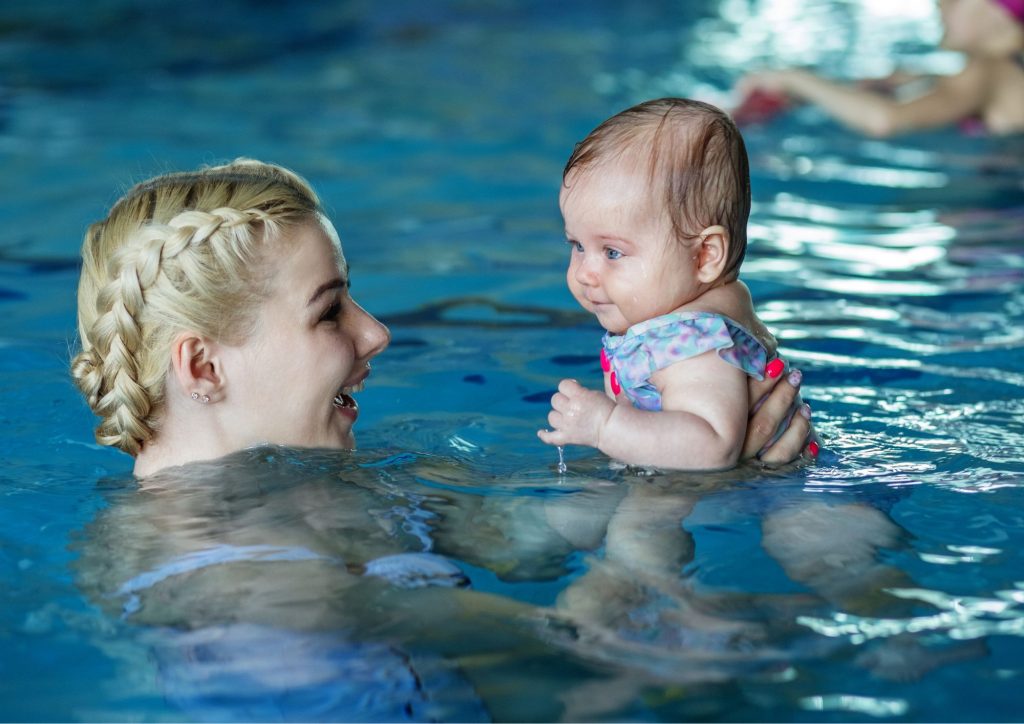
(586, 273)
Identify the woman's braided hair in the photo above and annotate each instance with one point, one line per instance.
(182, 251)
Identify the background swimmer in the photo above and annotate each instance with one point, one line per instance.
(988, 92)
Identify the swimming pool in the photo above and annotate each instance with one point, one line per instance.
(884, 582)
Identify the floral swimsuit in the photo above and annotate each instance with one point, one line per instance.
(647, 347)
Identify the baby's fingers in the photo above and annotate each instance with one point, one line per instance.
(568, 398)
(552, 437)
(570, 388)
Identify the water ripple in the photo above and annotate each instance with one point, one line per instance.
(959, 617)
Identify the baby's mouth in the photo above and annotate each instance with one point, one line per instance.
(344, 399)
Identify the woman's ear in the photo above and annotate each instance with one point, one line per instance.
(712, 253)
(196, 367)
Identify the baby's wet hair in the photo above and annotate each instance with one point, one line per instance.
(695, 158)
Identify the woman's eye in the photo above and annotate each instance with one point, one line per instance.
(332, 313)
(613, 253)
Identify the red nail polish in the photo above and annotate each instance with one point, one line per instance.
(605, 364)
(813, 447)
(775, 367)
(613, 381)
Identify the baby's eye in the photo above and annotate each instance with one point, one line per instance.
(576, 246)
(613, 253)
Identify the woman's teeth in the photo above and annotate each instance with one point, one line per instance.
(344, 397)
(343, 400)
(353, 389)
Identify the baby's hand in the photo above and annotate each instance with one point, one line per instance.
(577, 416)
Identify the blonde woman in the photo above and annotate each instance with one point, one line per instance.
(215, 314)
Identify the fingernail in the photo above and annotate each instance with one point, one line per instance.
(775, 367)
(813, 448)
(613, 381)
(805, 411)
(605, 364)
(795, 378)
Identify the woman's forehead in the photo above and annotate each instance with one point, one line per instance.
(334, 238)
(329, 230)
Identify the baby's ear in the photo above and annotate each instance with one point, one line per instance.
(712, 253)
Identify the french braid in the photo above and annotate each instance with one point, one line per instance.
(182, 251)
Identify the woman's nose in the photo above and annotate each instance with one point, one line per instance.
(371, 336)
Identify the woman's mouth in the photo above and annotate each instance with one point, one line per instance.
(343, 400)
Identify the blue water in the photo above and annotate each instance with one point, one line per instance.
(882, 583)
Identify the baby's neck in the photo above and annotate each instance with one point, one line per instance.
(719, 298)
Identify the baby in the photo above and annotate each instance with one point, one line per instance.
(655, 201)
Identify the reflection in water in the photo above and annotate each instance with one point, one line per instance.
(376, 586)
(279, 583)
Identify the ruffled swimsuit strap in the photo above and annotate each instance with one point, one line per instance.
(632, 358)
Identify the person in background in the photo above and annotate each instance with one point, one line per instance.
(987, 95)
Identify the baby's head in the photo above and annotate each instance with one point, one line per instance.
(696, 165)
(180, 251)
(672, 173)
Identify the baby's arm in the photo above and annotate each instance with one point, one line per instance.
(775, 404)
(701, 426)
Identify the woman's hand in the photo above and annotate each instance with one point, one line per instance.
(775, 405)
(577, 415)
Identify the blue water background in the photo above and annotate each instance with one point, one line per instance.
(435, 132)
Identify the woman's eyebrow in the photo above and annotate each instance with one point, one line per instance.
(336, 283)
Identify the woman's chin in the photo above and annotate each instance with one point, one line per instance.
(343, 439)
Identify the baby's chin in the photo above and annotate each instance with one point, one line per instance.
(614, 328)
(612, 322)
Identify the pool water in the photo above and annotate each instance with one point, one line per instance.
(446, 570)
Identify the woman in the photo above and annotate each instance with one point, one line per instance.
(988, 92)
(214, 315)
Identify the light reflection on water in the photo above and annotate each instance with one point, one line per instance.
(891, 271)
